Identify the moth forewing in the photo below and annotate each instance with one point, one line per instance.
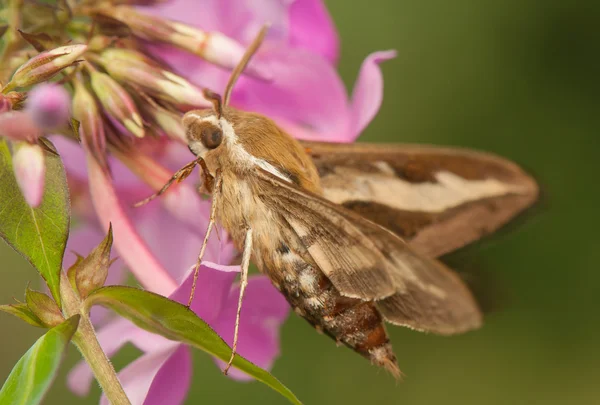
(439, 199)
(367, 262)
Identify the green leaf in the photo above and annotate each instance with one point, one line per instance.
(22, 311)
(39, 234)
(174, 321)
(34, 372)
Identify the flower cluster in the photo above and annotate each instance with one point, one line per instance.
(126, 71)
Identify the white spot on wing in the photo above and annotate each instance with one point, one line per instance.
(449, 191)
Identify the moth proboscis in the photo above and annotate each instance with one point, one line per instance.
(349, 233)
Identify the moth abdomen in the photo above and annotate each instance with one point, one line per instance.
(360, 326)
(353, 322)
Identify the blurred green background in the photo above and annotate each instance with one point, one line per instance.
(515, 77)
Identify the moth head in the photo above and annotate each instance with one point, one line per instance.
(204, 128)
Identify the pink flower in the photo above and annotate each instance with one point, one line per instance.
(306, 96)
(163, 373)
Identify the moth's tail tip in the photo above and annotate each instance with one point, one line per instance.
(391, 366)
(384, 357)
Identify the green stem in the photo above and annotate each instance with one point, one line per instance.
(87, 343)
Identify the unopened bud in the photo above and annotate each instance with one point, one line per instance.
(49, 105)
(169, 122)
(117, 103)
(99, 42)
(45, 65)
(212, 46)
(156, 81)
(126, 55)
(85, 110)
(30, 170)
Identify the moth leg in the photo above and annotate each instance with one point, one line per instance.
(243, 284)
(179, 176)
(208, 181)
(211, 222)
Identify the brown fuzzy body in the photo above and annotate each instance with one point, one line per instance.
(282, 257)
(280, 253)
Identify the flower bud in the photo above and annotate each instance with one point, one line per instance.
(169, 122)
(117, 103)
(45, 65)
(99, 42)
(85, 110)
(154, 80)
(213, 47)
(30, 169)
(49, 106)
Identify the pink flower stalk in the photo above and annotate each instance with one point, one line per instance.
(19, 126)
(306, 95)
(163, 373)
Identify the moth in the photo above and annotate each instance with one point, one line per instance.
(349, 233)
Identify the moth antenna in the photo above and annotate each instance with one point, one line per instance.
(244, 62)
(215, 99)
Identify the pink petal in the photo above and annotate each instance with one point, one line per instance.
(306, 91)
(264, 310)
(368, 92)
(171, 384)
(30, 171)
(72, 156)
(127, 241)
(240, 20)
(312, 28)
(19, 126)
(49, 105)
(173, 244)
(212, 291)
(139, 376)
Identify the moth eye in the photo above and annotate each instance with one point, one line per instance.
(211, 136)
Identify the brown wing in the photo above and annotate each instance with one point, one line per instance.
(438, 199)
(365, 261)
